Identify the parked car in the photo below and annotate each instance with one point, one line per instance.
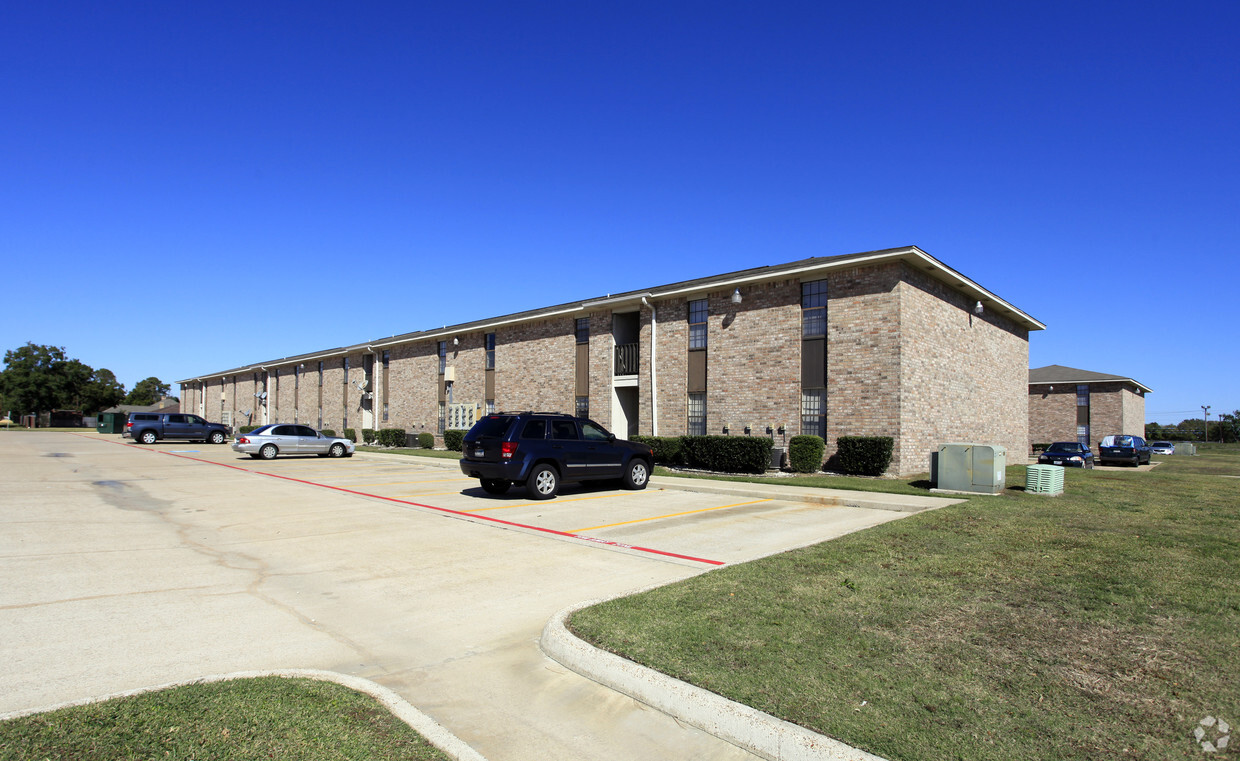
(1127, 450)
(149, 427)
(269, 441)
(1162, 447)
(1069, 454)
(541, 450)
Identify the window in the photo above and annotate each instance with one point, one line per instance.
(697, 414)
(592, 432)
(387, 361)
(490, 339)
(320, 375)
(697, 323)
(443, 417)
(583, 330)
(387, 357)
(564, 430)
(813, 413)
(1082, 413)
(443, 356)
(534, 429)
(814, 309)
(490, 406)
(583, 406)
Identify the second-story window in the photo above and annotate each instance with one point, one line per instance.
(443, 356)
(583, 330)
(490, 351)
(698, 311)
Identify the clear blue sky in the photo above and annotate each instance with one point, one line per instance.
(282, 177)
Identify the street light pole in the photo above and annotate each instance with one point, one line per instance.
(1205, 414)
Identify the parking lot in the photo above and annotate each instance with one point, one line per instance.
(125, 566)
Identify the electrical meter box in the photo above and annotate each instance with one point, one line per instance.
(977, 468)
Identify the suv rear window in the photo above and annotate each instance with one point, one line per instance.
(140, 416)
(491, 426)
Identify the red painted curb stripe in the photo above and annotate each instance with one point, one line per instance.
(469, 516)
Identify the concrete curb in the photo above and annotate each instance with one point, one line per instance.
(434, 732)
(744, 727)
(902, 503)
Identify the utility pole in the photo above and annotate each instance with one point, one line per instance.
(1205, 414)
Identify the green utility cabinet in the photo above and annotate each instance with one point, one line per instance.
(979, 468)
(111, 422)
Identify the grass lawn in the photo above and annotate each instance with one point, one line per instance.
(1102, 623)
(443, 454)
(243, 720)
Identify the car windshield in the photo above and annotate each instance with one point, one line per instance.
(1161, 444)
(1064, 446)
(491, 425)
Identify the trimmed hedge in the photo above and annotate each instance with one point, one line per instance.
(350, 434)
(246, 428)
(328, 432)
(805, 453)
(426, 440)
(391, 437)
(668, 450)
(864, 455)
(368, 435)
(454, 440)
(729, 454)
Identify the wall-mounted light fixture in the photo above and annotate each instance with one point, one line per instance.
(455, 341)
(978, 309)
(725, 430)
(736, 295)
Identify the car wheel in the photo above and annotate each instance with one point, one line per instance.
(268, 452)
(336, 450)
(148, 437)
(495, 485)
(543, 483)
(637, 474)
(217, 437)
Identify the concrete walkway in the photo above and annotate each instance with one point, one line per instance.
(123, 569)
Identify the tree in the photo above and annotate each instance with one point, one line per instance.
(38, 379)
(101, 391)
(148, 391)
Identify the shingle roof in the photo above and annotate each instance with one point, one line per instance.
(1040, 376)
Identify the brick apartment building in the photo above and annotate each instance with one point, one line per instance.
(1067, 404)
(884, 343)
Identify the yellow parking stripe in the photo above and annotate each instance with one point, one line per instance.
(670, 515)
(555, 502)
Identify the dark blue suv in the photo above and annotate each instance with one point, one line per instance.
(544, 449)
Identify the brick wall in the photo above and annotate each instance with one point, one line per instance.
(1052, 414)
(964, 377)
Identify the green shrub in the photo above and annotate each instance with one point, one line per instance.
(426, 440)
(805, 453)
(864, 455)
(728, 454)
(668, 450)
(391, 437)
(368, 435)
(350, 434)
(1040, 447)
(328, 432)
(454, 440)
(246, 428)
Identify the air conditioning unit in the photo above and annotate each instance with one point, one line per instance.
(976, 468)
(1044, 479)
(449, 374)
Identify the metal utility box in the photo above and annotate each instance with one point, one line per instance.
(979, 468)
(111, 422)
(1044, 479)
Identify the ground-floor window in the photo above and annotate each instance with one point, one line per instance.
(1082, 434)
(583, 406)
(814, 412)
(697, 414)
(443, 417)
(320, 417)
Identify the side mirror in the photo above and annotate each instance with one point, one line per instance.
(611, 437)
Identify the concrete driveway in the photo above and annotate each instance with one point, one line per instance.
(123, 567)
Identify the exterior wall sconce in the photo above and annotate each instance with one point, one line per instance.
(725, 430)
(736, 295)
(978, 309)
(456, 341)
(747, 430)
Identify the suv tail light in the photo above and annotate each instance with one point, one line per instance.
(507, 449)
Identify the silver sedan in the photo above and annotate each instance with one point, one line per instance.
(268, 441)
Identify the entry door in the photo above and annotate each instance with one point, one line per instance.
(624, 412)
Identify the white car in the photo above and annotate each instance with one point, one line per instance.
(268, 441)
(1162, 447)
